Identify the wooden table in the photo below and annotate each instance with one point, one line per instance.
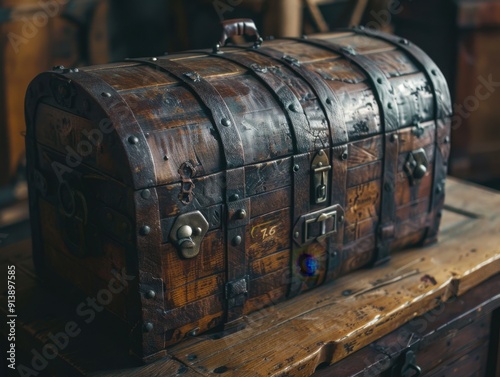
(335, 324)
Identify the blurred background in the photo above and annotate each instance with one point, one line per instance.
(462, 36)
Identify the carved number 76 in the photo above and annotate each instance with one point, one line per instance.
(268, 232)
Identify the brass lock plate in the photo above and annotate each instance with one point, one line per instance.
(187, 233)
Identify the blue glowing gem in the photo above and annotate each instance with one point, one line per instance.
(308, 265)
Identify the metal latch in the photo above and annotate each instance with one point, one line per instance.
(237, 291)
(320, 227)
(416, 165)
(320, 167)
(188, 232)
(408, 366)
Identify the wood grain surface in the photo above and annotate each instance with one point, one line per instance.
(293, 338)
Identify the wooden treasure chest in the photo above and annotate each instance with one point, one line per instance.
(185, 191)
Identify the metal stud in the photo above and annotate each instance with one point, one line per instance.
(154, 59)
(145, 230)
(434, 72)
(394, 137)
(328, 101)
(106, 94)
(446, 139)
(148, 326)
(404, 41)
(241, 214)
(389, 105)
(133, 140)
(380, 81)
(296, 235)
(341, 219)
(344, 156)
(234, 197)
(226, 122)
(146, 194)
(150, 294)
(293, 107)
(296, 168)
(237, 241)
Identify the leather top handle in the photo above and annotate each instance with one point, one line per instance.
(239, 27)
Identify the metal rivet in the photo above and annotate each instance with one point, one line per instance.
(347, 292)
(296, 168)
(241, 214)
(328, 101)
(434, 72)
(237, 241)
(446, 139)
(389, 105)
(296, 234)
(234, 197)
(165, 158)
(194, 332)
(197, 231)
(394, 137)
(293, 107)
(106, 94)
(344, 156)
(154, 59)
(148, 326)
(320, 153)
(150, 294)
(226, 122)
(439, 189)
(146, 194)
(145, 230)
(133, 140)
(404, 41)
(341, 219)
(191, 357)
(380, 81)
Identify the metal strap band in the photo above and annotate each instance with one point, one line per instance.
(339, 138)
(443, 109)
(211, 98)
(326, 96)
(389, 116)
(286, 97)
